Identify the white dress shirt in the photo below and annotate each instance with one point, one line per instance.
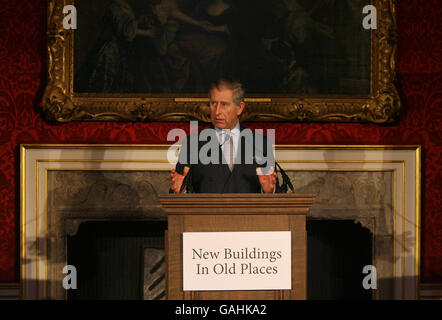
(223, 136)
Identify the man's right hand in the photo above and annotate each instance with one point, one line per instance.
(176, 180)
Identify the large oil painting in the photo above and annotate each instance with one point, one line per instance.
(153, 60)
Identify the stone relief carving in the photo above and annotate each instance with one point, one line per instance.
(112, 190)
(154, 274)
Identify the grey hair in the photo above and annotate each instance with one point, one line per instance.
(231, 84)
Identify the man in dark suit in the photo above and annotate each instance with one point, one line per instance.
(238, 161)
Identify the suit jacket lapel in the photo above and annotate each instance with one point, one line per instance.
(225, 173)
(222, 169)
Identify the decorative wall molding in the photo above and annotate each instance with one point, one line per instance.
(431, 291)
(428, 291)
(9, 291)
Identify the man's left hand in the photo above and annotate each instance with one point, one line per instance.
(267, 181)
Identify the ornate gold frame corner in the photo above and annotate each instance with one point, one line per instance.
(61, 104)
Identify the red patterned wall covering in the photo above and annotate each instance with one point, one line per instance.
(22, 81)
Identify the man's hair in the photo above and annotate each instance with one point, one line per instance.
(231, 84)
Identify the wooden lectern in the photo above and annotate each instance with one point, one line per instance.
(236, 212)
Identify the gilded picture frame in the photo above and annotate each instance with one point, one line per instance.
(381, 105)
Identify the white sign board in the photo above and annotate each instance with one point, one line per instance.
(237, 261)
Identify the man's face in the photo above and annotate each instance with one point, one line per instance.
(223, 111)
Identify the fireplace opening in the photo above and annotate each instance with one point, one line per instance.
(125, 260)
(337, 251)
(118, 260)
